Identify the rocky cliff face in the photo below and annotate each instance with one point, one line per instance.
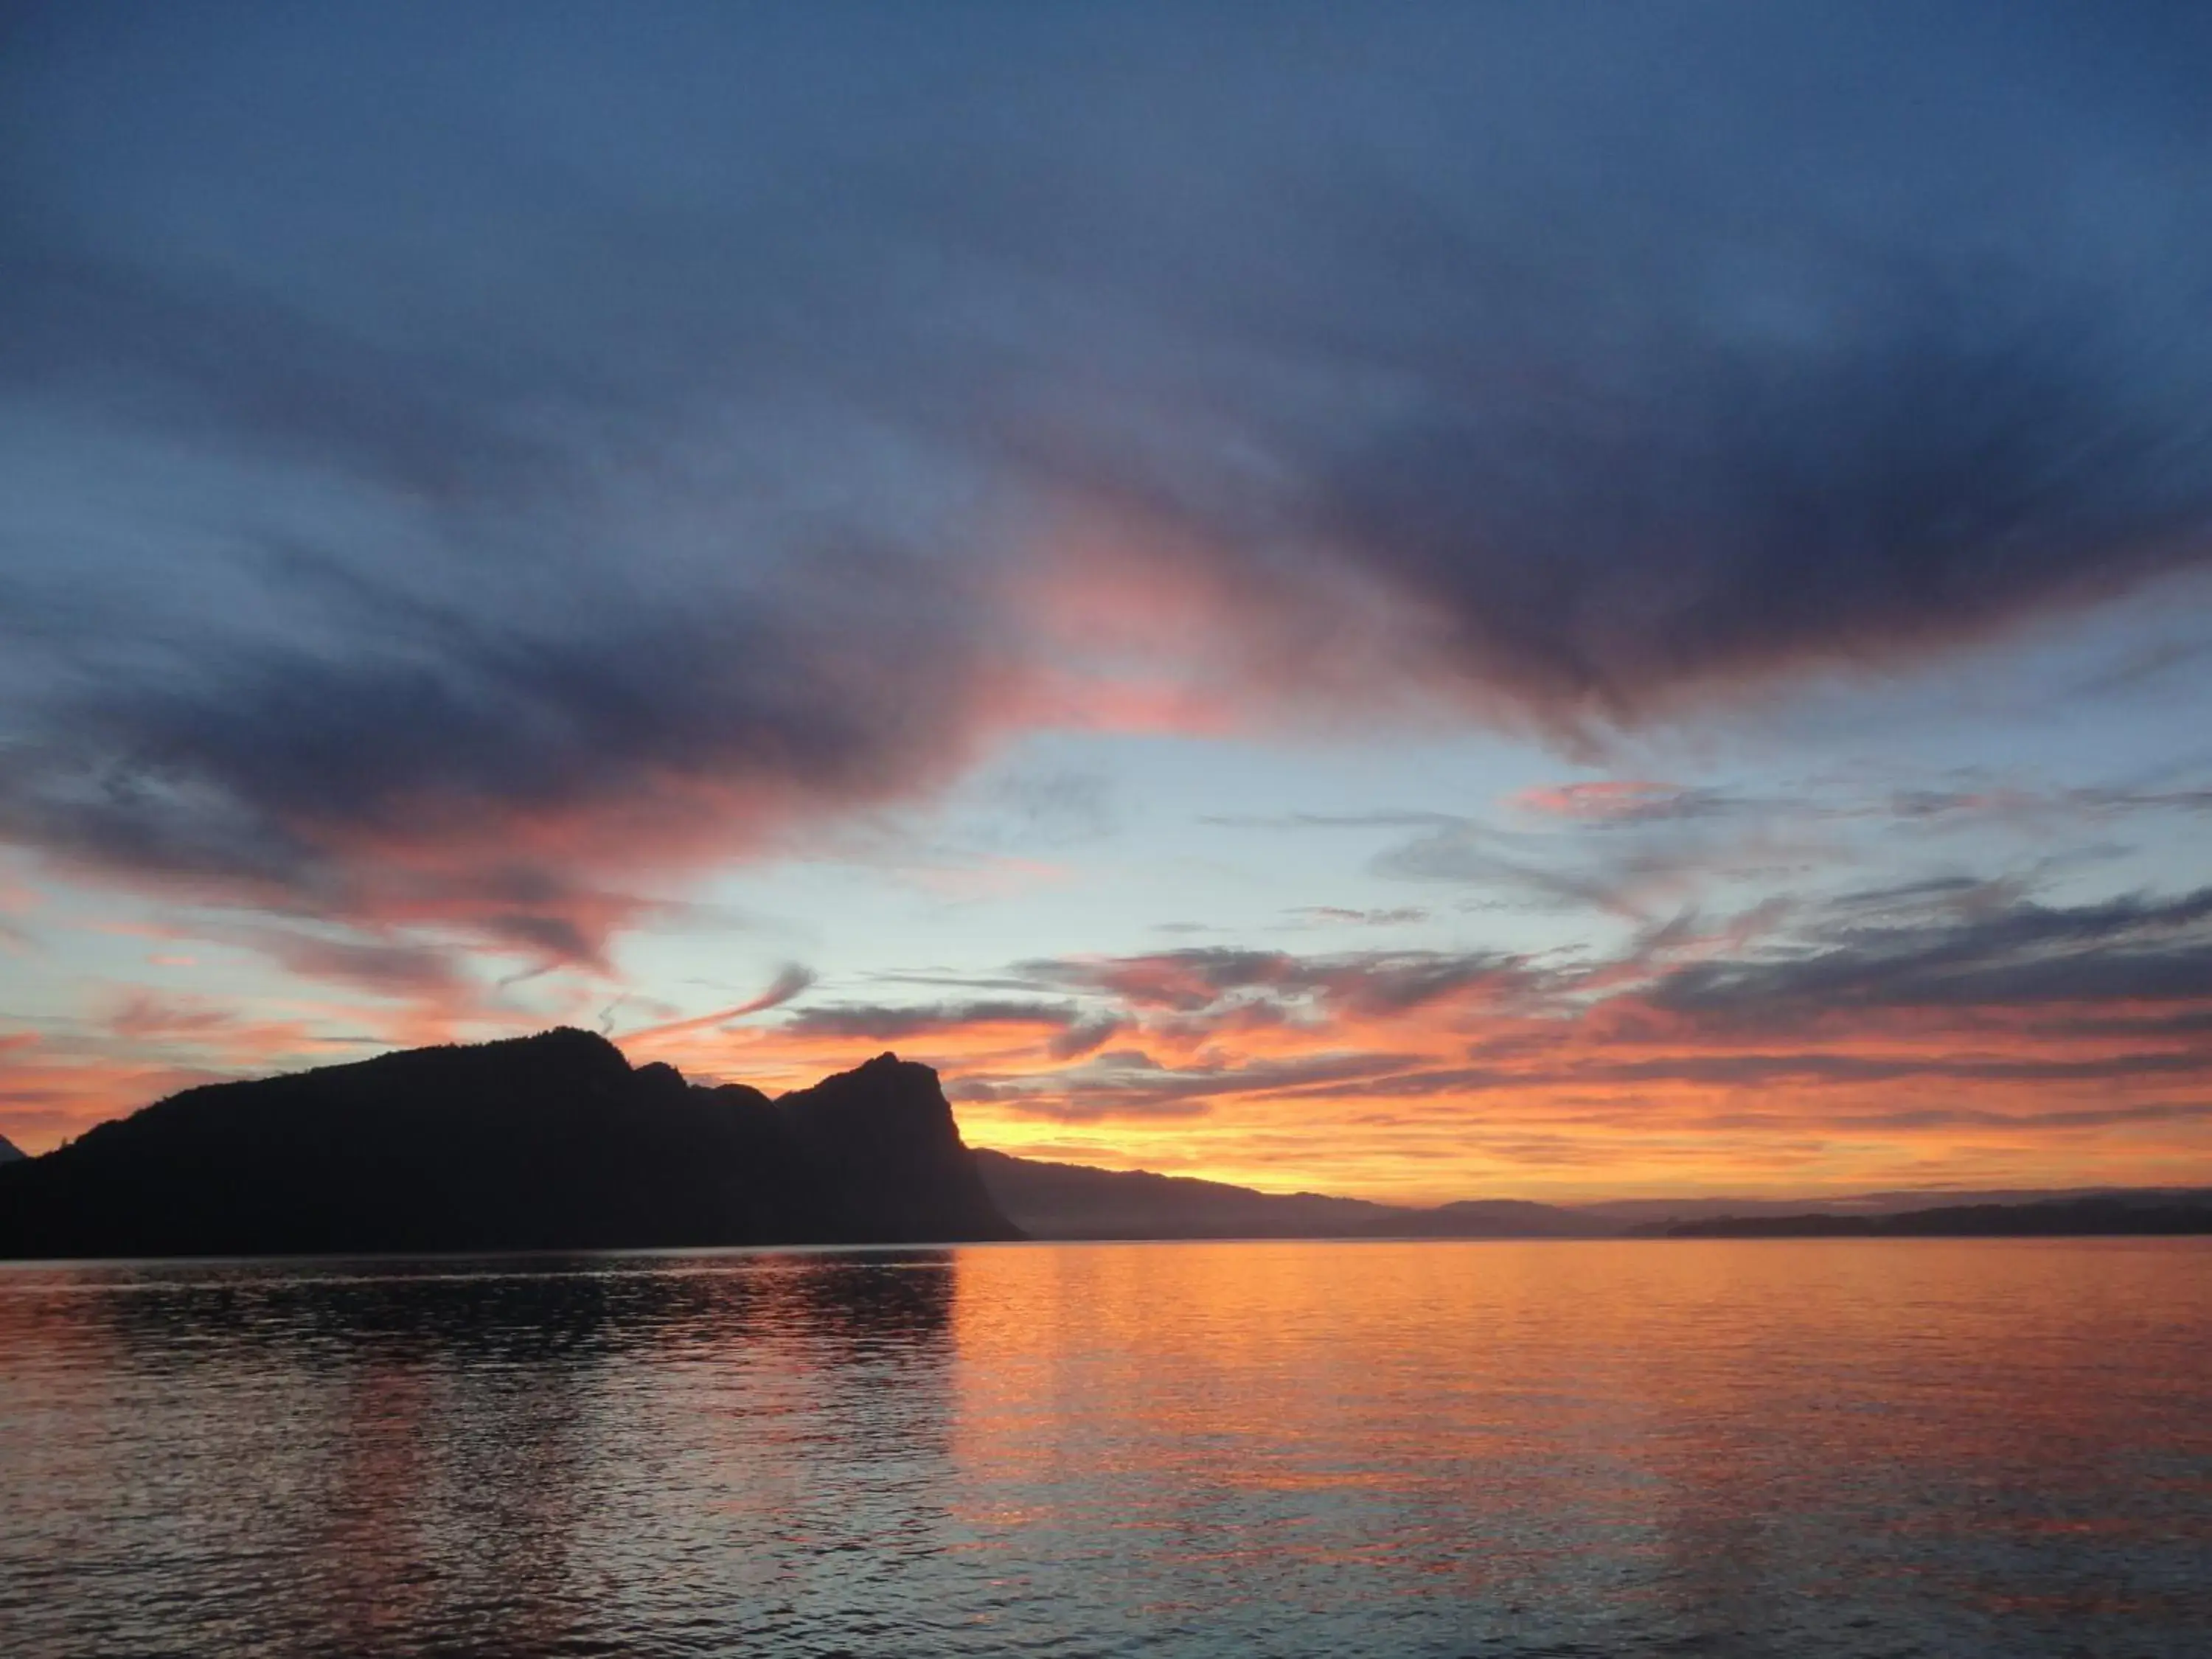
(551, 1142)
(883, 1136)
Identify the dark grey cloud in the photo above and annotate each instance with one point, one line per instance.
(1130, 1084)
(891, 1023)
(1758, 1070)
(791, 981)
(1199, 979)
(566, 436)
(1084, 1037)
(1561, 1063)
(2132, 948)
(1074, 1029)
(290, 777)
(1768, 337)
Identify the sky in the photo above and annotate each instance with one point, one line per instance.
(1428, 602)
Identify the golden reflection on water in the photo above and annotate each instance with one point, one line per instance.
(1838, 1447)
(1698, 1434)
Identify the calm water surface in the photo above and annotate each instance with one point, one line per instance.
(1836, 1448)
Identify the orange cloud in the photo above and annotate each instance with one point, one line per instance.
(1392, 1075)
(1990, 1045)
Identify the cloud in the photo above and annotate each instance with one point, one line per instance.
(47, 1094)
(1675, 380)
(1947, 1028)
(142, 1015)
(1202, 978)
(1131, 1083)
(453, 463)
(1620, 800)
(1653, 853)
(791, 980)
(2128, 949)
(1968, 1027)
(891, 1024)
(466, 779)
(384, 967)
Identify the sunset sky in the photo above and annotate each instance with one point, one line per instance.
(1498, 600)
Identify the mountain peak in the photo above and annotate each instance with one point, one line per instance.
(887, 1130)
(549, 1141)
(886, 1063)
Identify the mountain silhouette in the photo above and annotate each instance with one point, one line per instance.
(546, 1142)
(1074, 1202)
(9, 1152)
(1493, 1217)
(2112, 1215)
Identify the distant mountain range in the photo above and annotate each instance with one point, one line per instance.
(2133, 1214)
(9, 1154)
(1074, 1202)
(556, 1142)
(548, 1142)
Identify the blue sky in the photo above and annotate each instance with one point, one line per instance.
(1489, 598)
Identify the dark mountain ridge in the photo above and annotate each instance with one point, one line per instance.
(2109, 1215)
(9, 1152)
(547, 1142)
(556, 1142)
(1494, 1217)
(1076, 1201)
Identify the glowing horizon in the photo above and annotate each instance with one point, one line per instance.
(1428, 608)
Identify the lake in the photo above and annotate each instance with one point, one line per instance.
(1803, 1448)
